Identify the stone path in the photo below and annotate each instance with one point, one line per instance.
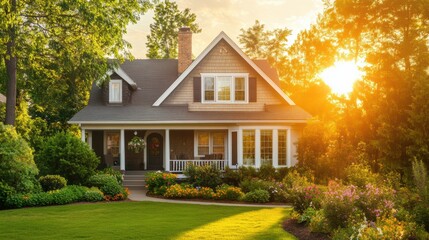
(139, 194)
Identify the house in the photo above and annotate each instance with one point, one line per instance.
(221, 108)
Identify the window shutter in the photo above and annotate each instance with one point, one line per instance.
(197, 89)
(252, 89)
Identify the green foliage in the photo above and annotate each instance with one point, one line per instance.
(267, 172)
(61, 47)
(5, 192)
(203, 176)
(226, 192)
(421, 180)
(106, 183)
(231, 176)
(93, 195)
(66, 155)
(360, 175)
(162, 41)
(113, 172)
(307, 215)
(52, 182)
(17, 167)
(257, 196)
(157, 182)
(181, 191)
(421, 212)
(66, 195)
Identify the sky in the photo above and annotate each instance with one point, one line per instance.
(214, 16)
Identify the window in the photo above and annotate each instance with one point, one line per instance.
(249, 147)
(282, 147)
(112, 143)
(211, 145)
(115, 91)
(225, 88)
(266, 147)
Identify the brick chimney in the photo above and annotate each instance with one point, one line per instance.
(185, 49)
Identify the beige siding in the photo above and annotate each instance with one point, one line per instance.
(223, 59)
(255, 107)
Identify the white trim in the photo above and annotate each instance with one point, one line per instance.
(203, 54)
(240, 147)
(289, 149)
(232, 88)
(82, 135)
(189, 121)
(122, 150)
(211, 141)
(275, 147)
(118, 70)
(167, 150)
(111, 96)
(257, 148)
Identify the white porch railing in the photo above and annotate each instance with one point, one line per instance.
(180, 165)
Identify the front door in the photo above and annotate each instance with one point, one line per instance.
(155, 151)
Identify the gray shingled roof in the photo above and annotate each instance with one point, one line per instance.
(153, 77)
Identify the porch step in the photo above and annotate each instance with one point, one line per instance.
(134, 179)
(133, 183)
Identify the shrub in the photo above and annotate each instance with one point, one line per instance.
(66, 155)
(360, 175)
(231, 176)
(275, 189)
(226, 192)
(205, 193)
(319, 223)
(306, 216)
(181, 191)
(267, 172)
(113, 172)
(247, 172)
(375, 201)
(17, 167)
(5, 192)
(257, 196)
(157, 182)
(421, 180)
(109, 186)
(421, 212)
(52, 182)
(303, 197)
(93, 195)
(203, 176)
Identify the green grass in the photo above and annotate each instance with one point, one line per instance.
(143, 220)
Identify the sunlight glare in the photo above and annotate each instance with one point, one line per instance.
(341, 76)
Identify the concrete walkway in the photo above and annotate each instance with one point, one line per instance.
(139, 194)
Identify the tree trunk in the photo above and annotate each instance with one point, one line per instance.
(10, 60)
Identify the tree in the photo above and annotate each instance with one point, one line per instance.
(39, 38)
(259, 43)
(162, 40)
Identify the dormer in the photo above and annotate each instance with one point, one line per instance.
(118, 90)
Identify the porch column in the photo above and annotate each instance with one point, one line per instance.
(122, 150)
(240, 147)
(289, 150)
(275, 148)
(229, 149)
(90, 139)
(257, 148)
(82, 135)
(167, 150)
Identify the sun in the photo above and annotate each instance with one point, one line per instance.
(341, 76)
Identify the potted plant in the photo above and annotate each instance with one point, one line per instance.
(136, 144)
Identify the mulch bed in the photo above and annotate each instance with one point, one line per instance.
(301, 231)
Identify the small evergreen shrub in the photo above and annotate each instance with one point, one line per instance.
(17, 167)
(203, 176)
(113, 172)
(267, 172)
(93, 195)
(108, 184)
(257, 196)
(52, 182)
(226, 192)
(158, 182)
(66, 155)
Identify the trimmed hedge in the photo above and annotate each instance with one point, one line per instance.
(108, 184)
(257, 196)
(67, 195)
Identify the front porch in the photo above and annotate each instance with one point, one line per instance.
(172, 150)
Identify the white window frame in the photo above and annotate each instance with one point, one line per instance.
(111, 96)
(232, 88)
(211, 145)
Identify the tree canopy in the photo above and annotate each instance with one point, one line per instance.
(56, 48)
(162, 40)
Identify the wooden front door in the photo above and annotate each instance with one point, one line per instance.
(155, 151)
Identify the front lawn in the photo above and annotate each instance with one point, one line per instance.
(143, 220)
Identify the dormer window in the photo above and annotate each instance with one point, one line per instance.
(224, 88)
(115, 91)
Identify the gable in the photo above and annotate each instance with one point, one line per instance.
(223, 59)
(221, 37)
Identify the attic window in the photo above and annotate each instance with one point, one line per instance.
(115, 91)
(224, 88)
